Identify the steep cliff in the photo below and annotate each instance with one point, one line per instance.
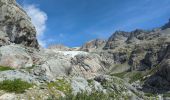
(15, 25)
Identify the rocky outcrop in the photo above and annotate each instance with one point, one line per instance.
(117, 39)
(161, 78)
(15, 25)
(53, 63)
(93, 45)
(87, 66)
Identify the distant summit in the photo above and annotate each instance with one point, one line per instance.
(167, 25)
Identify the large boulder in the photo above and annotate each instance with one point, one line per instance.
(15, 56)
(15, 25)
(79, 84)
(8, 96)
(14, 74)
(52, 64)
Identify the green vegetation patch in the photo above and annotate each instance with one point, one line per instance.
(166, 95)
(61, 85)
(149, 95)
(95, 96)
(120, 75)
(90, 81)
(4, 68)
(136, 76)
(16, 86)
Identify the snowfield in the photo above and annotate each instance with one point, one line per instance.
(71, 53)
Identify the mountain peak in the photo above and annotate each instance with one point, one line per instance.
(167, 25)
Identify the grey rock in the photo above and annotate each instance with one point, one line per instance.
(15, 56)
(136, 36)
(87, 66)
(79, 85)
(167, 25)
(15, 74)
(15, 25)
(8, 96)
(116, 39)
(52, 64)
(93, 45)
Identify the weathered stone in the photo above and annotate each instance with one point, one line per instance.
(8, 96)
(93, 45)
(14, 74)
(116, 39)
(15, 25)
(79, 85)
(15, 56)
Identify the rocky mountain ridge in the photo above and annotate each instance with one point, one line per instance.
(128, 66)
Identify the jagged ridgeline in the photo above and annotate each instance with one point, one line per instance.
(128, 66)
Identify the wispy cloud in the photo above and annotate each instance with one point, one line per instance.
(39, 19)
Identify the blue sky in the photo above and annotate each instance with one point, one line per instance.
(74, 22)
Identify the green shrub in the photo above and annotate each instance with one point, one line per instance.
(136, 76)
(17, 85)
(86, 96)
(3, 68)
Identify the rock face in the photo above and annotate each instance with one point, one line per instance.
(116, 39)
(93, 45)
(53, 63)
(15, 25)
(87, 66)
(167, 25)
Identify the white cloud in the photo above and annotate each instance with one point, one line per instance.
(39, 19)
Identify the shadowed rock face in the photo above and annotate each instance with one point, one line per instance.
(15, 25)
(167, 25)
(116, 39)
